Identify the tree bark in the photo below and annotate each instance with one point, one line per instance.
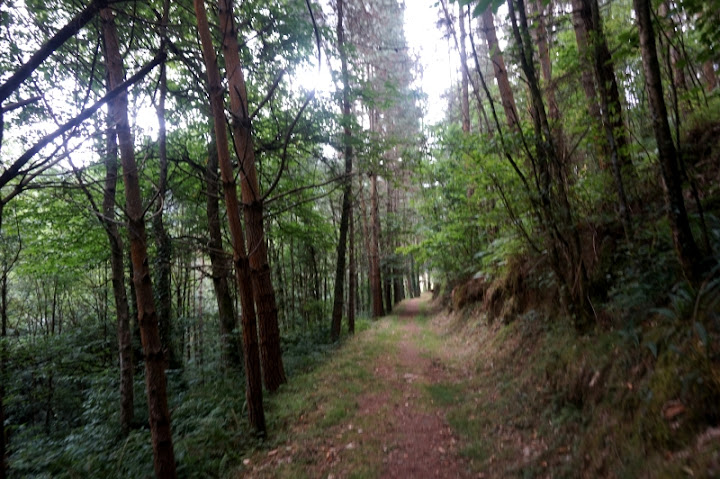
(686, 249)
(336, 321)
(117, 267)
(386, 271)
(352, 280)
(587, 79)
(230, 352)
(375, 280)
(155, 380)
(616, 140)
(163, 244)
(4, 469)
(506, 95)
(253, 390)
(542, 40)
(270, 352)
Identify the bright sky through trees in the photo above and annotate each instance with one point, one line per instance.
(436, 57)
(437, 63)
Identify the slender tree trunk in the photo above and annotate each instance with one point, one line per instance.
(589, 23)
(687, 250)
(4, 469)
(464, 96)
(163, 243)
(367, 235)
(375, 280)
(117, 266)
(542, 40)
(506, 95)
(562, 235)
(352, 280)
(397, 264)
(387, 266)
(230, 351)
(253, 390)
(587, 79)
(270, 353)
(138, 355)
(147, 317)
(347, 181)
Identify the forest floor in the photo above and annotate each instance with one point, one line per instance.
(378, 408)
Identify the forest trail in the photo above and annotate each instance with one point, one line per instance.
(390, 428)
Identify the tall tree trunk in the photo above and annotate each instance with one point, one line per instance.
(611, 107)
(163, 243)
(253, 375)
(137, 348)
(117, 266)
(352, 280)
(367, 301)
(564, 245)
(270, 352)
(230, 352)
(147, 317)
(398, 263)
(3, 354)
(587, 79)
(542, 40)
(506, 95)
(387, 266)
(339, 295)
(686, 249)
(375, 280)
(464, 98)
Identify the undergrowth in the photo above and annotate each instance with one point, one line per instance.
(209, 420)
(639, 396)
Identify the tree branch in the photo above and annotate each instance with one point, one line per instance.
(13, 170)
(49, 47)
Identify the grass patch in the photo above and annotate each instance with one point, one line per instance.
(313, 413)
(446, 394)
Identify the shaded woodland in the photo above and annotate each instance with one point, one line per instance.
(186, 226)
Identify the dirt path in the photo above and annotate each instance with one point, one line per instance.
(419, 443)
(368, 412)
